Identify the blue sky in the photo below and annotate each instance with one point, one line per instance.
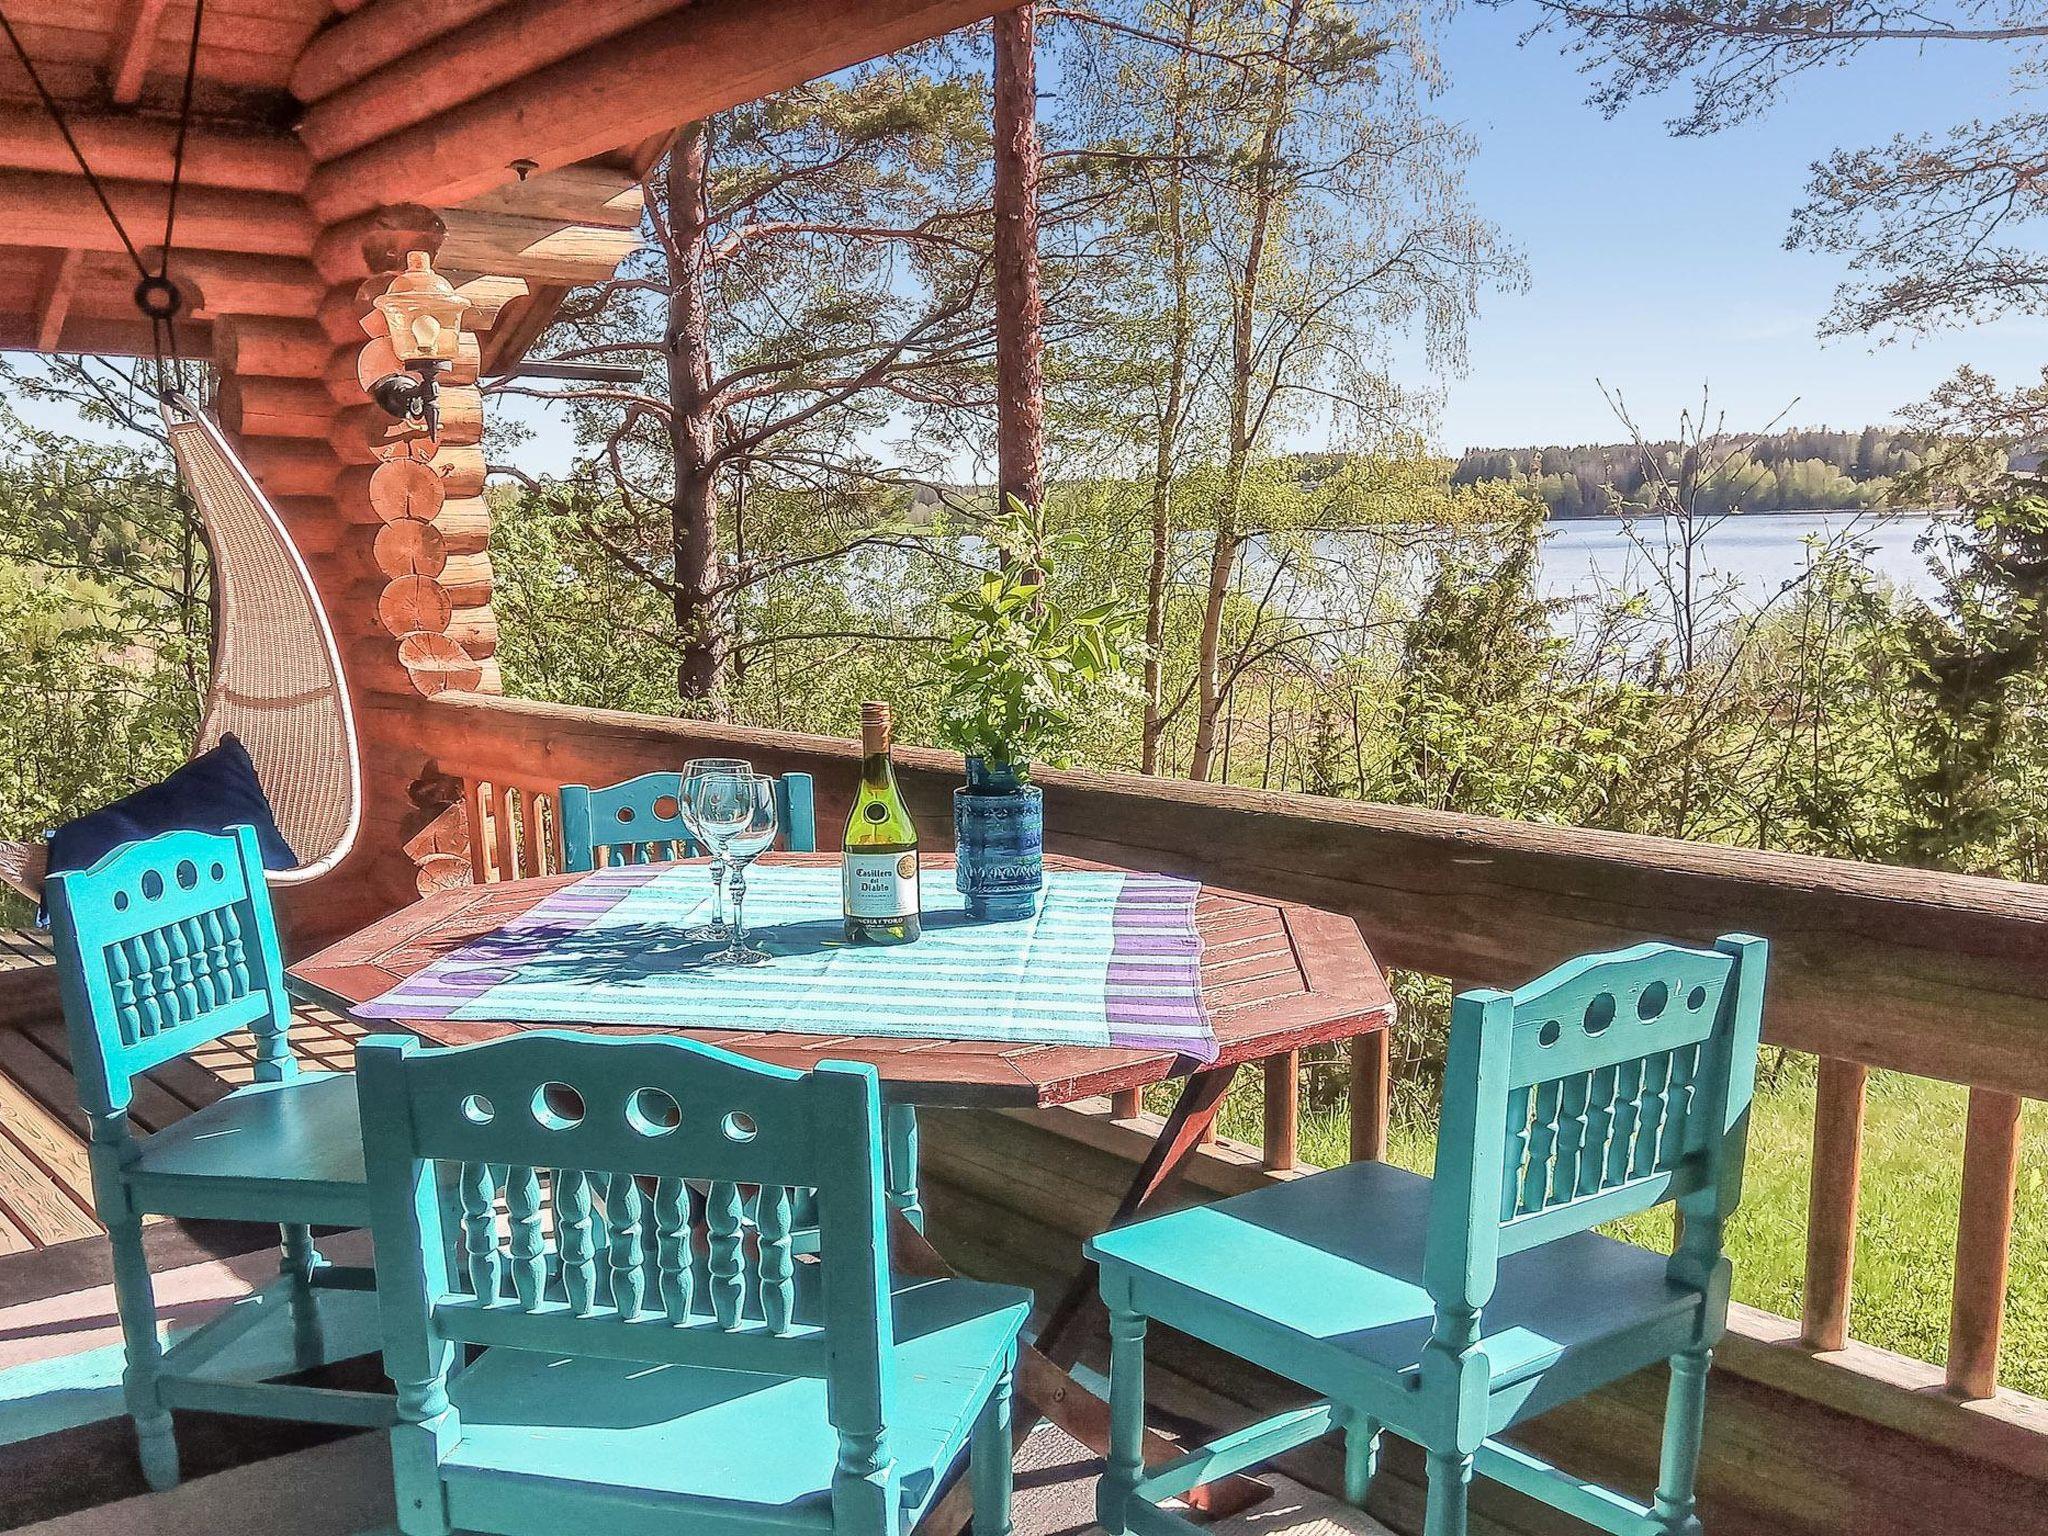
(1656, 263)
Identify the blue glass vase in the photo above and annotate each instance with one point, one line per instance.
(999, 842)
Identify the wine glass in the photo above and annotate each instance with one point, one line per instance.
(717, 928)
(737, 813)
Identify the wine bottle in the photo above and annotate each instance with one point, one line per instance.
(878, 863)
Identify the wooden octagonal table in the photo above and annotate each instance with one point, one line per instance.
(1276, 977)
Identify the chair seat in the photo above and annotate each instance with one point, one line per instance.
(288, 1152)
(689, 1433)
(1335, 1259)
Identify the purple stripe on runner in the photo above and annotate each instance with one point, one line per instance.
(1154, 944)
(440, 991)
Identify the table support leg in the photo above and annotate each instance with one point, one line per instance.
(900, 1131)
(1046, 1386)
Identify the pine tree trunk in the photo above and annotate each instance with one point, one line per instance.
(693, 512)
(1020, 313)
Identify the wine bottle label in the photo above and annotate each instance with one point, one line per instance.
(880, 884)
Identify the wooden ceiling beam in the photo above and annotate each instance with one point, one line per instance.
(102, 337)
(686, 65)
(134, 148)
(133, 42)
(42, 209)
(497, 48)
(54, 302)
(375, 36)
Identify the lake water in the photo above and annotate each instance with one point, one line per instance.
(1758, 552)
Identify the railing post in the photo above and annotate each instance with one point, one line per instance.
(1831, 1203)
(505, 825)
(1281, 1150)
(1371, 1095)
(533, 837)
(1991, 1165)
(479, 831)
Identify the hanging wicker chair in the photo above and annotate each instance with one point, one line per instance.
(276, 679)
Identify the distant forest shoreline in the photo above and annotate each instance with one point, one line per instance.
(1817, 470)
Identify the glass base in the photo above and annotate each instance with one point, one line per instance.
(738, 954)
(707, 933)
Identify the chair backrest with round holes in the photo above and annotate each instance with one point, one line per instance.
(1611, 1084)
(630, 1199)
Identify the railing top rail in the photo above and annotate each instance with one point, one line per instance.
(1935, 974)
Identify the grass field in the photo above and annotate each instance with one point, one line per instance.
(1905, 1249)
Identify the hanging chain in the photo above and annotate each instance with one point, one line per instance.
(63, 127)
(156, 295)
(170, 319)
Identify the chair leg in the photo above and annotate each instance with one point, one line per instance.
(989, 1460)
(297, 1261)
(135, 1300)
(1126, 1410)
(1361, 1457)
(1685, 1413)
(1450, 1485)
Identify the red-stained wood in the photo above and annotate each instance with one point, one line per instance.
(1831, 1203)
(54, 302)
(1280, 1149)
(55, 209)
(373, 37)
(1336, 992)
(133, 147)
(436, 664)
(1488, 899)
(1372, 1099)
(494, 49)
(1991, 1165)
(680, 67)
(133, 41)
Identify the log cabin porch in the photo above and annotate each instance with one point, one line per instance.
(323, 152)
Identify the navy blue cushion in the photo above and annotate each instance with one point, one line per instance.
(215, 791)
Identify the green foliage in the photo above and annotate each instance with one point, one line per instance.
(1975, 670)
(1791, 471)
(103, 621)
(1026, 673)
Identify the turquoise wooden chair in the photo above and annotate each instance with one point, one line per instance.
(1447, 1310)
(640, 821)
(163, 947)
(651, 1359)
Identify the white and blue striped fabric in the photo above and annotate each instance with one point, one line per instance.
(1111, 959)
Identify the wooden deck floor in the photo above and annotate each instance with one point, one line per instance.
(45, 1188)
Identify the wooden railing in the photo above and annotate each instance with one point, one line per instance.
(1937, 976)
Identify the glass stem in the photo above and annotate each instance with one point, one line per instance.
(717, 888)
(739, 901)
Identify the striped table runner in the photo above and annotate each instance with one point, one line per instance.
(1112, 959)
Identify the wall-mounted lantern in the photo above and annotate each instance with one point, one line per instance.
(423, 315)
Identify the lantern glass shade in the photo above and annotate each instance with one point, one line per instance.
(423, 313)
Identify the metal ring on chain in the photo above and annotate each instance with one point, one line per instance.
(159, 298)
